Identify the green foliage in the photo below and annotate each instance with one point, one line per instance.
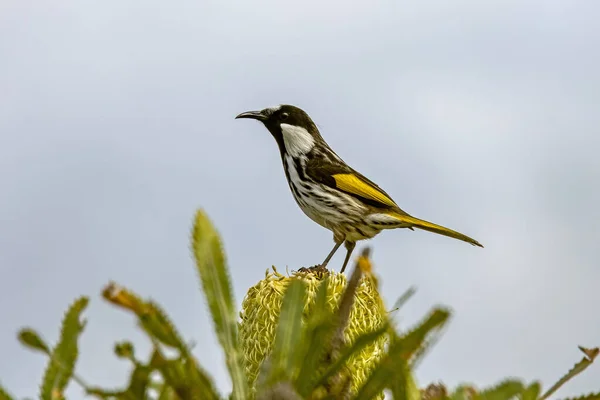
(62, 359)
(31, 339)
(393, 372)
(531, 392)
(349, 351)
(4, 394)
(216, 283)
(509, 389)
(318, 334)
(318, 330)
(591, 396)
(284, 362)
(586, 361)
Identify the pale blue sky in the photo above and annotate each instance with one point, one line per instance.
(117, 122)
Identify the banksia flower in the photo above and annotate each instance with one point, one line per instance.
(260, 316)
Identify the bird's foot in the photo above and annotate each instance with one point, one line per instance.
(318, 269)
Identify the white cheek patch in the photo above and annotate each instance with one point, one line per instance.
(297, 140)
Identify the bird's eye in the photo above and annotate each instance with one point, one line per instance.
(283, 116)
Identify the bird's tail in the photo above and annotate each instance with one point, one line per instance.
(431, 227)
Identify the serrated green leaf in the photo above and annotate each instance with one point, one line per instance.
(285, 357)
(159, 325)
(586, 361)
(391, 372)
(139, 381)
(167, 393)
(317, 337)
(531, 392)
(321, 295)
(32, 340)
(463, 392)
(107, 394)
(64, 356)
(359, 344)
(4, 395)
(415, 339)
(429, 342)
(347, 300)
(403, 386)
(506, 390)
(216, 284)
(403, 299)
(591, 396)
(153, 319)
(185, 377)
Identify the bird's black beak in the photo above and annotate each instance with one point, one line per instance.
(252, 115)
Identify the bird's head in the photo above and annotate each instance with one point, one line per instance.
(291, 127)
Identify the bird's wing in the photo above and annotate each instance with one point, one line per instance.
(347, 180)
(343, 178)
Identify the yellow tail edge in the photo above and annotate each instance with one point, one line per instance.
(431, 227)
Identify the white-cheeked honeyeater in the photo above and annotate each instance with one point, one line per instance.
(328, 190)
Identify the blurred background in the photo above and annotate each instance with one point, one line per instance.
(117, 123)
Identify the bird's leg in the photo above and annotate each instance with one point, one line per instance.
(349, 247)
(331, 253)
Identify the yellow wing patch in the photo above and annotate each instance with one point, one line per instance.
(352, 184)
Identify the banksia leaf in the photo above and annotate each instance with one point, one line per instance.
(591, 396)
(139, 382)
(167, 393)
(531, 392)
(64, 356)
(216, 283)
(505, 390)
(414, 340)
(589, 357)
(391, 372)
(464, 392)
(104, 394)
(339, 382)
(156, 322)
(403, 299)
(403, 386)
(184, 376)
(318, 332)
(359, 344)
(426, 346)
(285, 357)
(150, 315)
(31, 339)
(4, 394)
(347, 301)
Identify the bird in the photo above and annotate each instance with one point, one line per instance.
(328, 190)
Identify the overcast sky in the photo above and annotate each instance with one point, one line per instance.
(117, 123)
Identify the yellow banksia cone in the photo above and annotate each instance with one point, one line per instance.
(260, 315)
